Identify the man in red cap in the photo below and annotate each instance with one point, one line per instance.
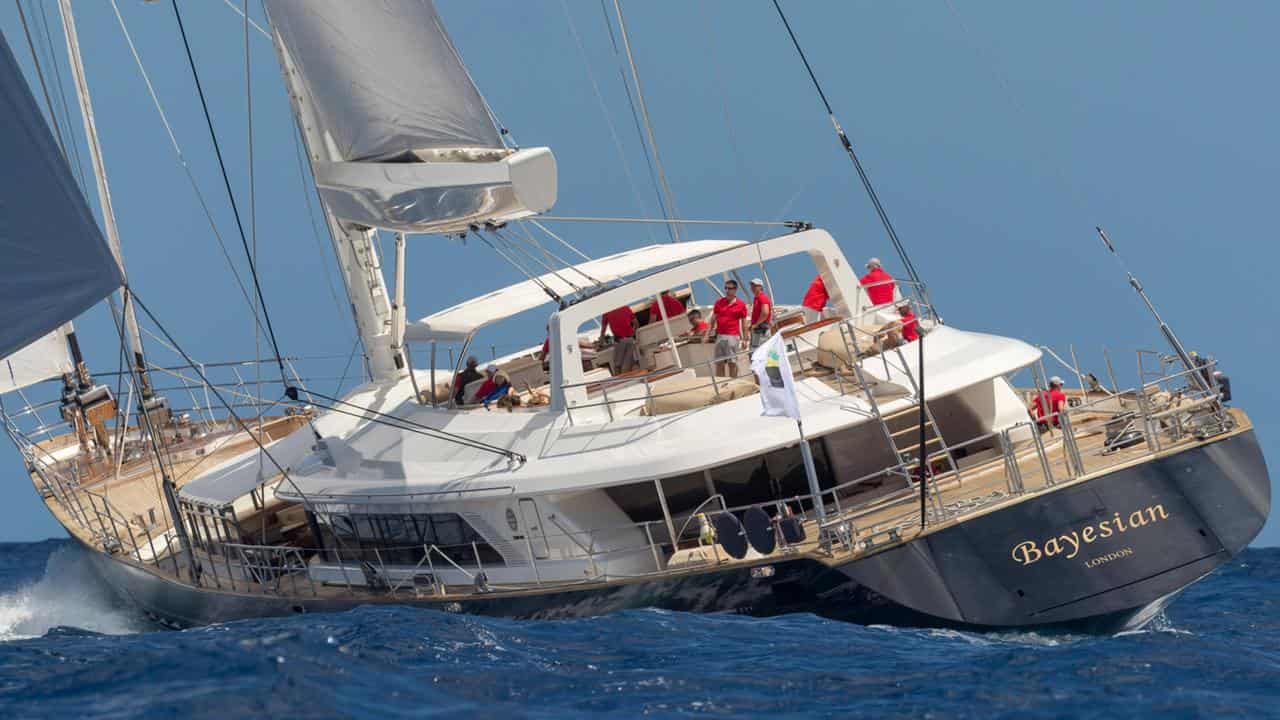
(1055, 399)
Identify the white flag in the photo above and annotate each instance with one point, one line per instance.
(773, 371)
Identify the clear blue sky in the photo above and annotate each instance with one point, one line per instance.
(998, 134)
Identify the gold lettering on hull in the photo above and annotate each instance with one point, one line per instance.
(1069, 544)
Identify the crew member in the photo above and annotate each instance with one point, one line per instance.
(1055, 399)
(761, 314)
(910, 326)
(879, 284)
(729, 325)
(621, 321)
(469, 374)
(816, 297)
(697, 326)
(671, 304)
(495, 386)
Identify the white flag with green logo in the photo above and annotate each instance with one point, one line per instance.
(773, 371)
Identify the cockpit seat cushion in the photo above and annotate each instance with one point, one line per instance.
(684, 393)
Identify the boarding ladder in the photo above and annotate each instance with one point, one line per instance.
(902, 428)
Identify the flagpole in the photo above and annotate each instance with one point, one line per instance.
(812, 473)
(772, 367)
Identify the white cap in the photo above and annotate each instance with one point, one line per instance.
(491, 368)
(873, 262)
(757, 281)
(1055, 380)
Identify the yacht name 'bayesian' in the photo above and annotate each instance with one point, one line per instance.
(1029, 551)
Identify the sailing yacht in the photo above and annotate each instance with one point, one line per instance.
(921, 491)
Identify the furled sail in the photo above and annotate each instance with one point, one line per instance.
(54, 263)
(404, 138)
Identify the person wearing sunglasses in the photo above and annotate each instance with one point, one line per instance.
(729, 325)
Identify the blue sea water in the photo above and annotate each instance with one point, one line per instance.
(68, 650)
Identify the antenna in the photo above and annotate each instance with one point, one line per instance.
(1164, 327)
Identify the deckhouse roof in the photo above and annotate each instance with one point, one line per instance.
(458, 322)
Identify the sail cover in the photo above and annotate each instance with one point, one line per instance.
(54, 263)
(382, 77)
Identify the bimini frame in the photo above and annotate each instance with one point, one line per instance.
(567, 388)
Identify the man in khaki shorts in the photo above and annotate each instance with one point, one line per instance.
(729, 325)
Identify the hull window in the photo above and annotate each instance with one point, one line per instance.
(402, 539)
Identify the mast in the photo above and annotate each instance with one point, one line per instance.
(133, 336)
(354, 248)
(399, 138)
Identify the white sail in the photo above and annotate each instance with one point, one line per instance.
(54, 263)
(399, 136)
(383, 76)
(41, 360)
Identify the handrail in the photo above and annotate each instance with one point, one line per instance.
(685, 526)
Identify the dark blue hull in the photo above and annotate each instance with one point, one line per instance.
(1100, 555)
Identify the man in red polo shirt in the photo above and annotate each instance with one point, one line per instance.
(910, 327)
(729, 324)
(816, 297)
(670, 304)
(697, 326)
(761, 314)
(879, 284)
(621, 321)
(1054, 398)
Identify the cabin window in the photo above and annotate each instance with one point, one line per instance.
(402, 539)
(772, 476)
(640, 500)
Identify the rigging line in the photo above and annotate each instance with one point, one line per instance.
(743, 174)
(442, 434)
(848, 147)
(397, 423)
(503, 132)
(528, 239)
(144, 417)
(580, 218)
(561, 240)
(186, 168)
(648, 124)
(323, 254)
(568, 266)
(226, 180)
(44, 88)
(521, 268)
(244, 15)
(205, 381)
(786, 207)
(635, 119)
(604, 110)
(511, 245)
(994, 69)
(355, 347)
(62, 96)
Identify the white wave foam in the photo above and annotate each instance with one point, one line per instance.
(69, 595)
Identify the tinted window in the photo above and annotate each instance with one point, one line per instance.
(402, 539)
